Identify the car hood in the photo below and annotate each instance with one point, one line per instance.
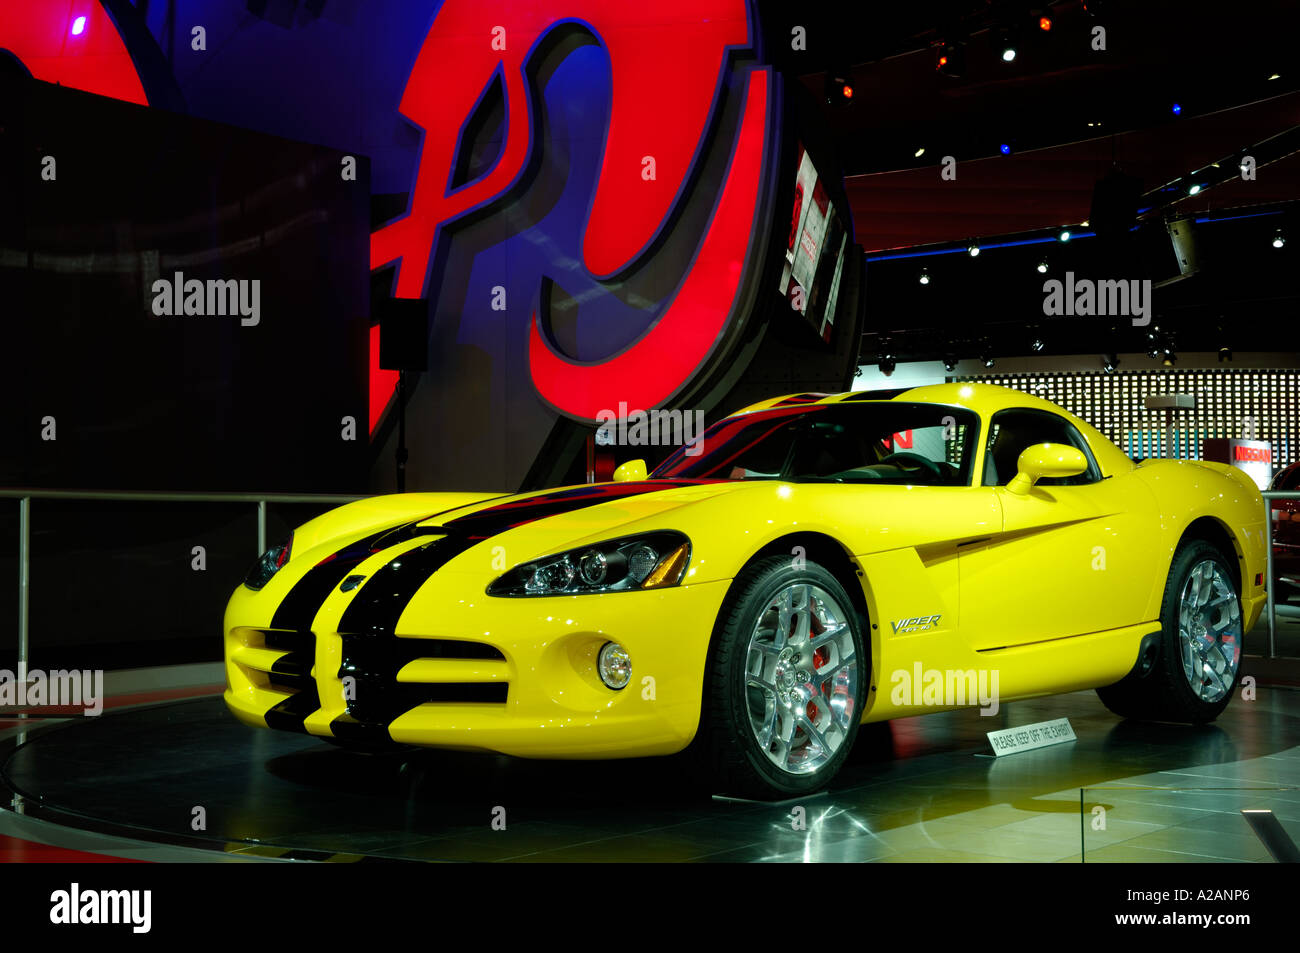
(536, 524)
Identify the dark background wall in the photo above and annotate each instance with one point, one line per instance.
(188, 402)
(143, 402)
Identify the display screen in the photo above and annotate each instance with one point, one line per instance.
(815, 250)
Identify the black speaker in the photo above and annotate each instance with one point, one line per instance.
(1115, 204)
(404, 334)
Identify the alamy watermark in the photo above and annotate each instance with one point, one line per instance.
(71, 688)
(1086, 298)
(950, 688)
(214, 297)
(133, 908)
(651, 428)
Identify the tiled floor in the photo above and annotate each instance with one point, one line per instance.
(918, 789)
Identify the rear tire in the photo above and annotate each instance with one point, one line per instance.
(785, 683)
(1198, 660)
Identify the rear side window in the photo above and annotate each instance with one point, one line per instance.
(1012, 431)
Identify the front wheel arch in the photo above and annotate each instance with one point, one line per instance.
(830, 554)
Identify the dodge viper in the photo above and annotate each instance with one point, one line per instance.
(763, 592)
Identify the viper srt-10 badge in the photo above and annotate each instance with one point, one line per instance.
(918, 624)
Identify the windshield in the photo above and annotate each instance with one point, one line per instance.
(869, 442)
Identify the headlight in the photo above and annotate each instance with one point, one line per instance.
(268, 565)
(648, 561)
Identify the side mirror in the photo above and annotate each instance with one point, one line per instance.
(1046, 460)
(633, 471)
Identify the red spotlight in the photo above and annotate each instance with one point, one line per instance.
(1045, 23)
(839, 91)
(951, 59)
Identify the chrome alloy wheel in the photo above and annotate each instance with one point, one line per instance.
(801, 678)
(1209, 631)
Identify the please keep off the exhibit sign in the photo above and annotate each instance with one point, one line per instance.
(1014, 740)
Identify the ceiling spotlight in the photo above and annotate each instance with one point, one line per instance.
(951, 60)
(1176, 109)
(1194, 189)
(1037, 345)
(1109, 362)
(1278, 239)
(987, 359)
(973, 250)
(950, 362)
(1045, 24)
(78, 26)
(1042, 267)
(919, 152)
(1064, 235)
(1169, 358)
(885, 359)
(1276, 76)
(838, 89)
(1225, 355)
(1005, 149)
(925, 277)
(1006, 43)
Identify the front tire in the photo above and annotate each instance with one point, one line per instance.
(1199, 657)
(785, 682)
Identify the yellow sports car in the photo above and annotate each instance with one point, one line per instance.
(814, 562)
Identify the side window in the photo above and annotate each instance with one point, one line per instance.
(1011, 431)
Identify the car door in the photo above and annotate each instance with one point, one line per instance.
(1075, 554)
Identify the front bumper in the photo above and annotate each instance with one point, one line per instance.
(467, 671)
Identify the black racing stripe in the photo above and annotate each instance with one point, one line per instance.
(379, 602)
(347, 728)
(383, 597)
(294, 665)
(497, 519)
(290, 714)
(304, 600)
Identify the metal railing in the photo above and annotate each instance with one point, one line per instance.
(25, 497)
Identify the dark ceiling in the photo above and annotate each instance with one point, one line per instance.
(1067, 114)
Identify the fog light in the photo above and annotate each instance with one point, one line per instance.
(614, 665)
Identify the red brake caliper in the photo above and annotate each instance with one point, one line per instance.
(820, 658)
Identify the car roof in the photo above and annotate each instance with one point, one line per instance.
(983, 399)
